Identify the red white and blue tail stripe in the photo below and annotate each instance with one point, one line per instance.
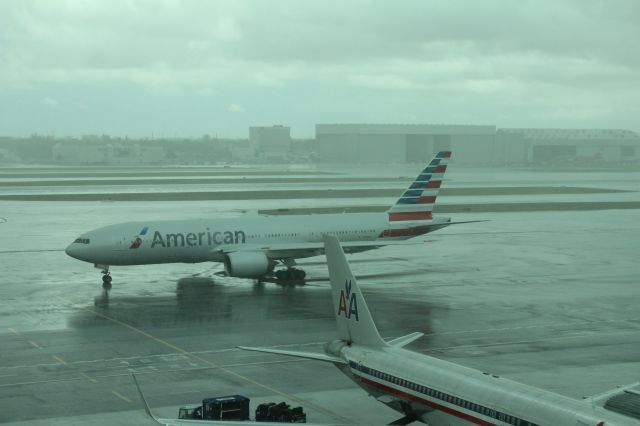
(416, 203)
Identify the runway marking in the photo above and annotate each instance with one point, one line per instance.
(121, 396)
(226, 370)
(13, 331)
(89, 378)
(565, 327)
(35, 344)
(140, 372)
(60, 360)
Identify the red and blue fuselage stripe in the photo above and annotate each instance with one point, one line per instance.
(436, 397)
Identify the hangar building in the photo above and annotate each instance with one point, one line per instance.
(545, 146)
(472, 144)
(270, 142)
(402, 143)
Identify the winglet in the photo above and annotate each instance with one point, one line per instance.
(144, 400)
(355, 324)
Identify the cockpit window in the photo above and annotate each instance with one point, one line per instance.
(82, 241)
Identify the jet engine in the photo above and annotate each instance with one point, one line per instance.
(246, 264)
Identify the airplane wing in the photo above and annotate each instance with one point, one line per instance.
(182, 422)
(294, 250)
(602, 398)
(307, 355)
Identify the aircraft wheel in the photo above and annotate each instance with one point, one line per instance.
(106, 280)
(282, 275)
(299, 274)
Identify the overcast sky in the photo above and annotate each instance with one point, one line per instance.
(188, 68)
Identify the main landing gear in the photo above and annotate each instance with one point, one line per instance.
(290, 274)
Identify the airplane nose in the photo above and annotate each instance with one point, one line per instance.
(72, 250)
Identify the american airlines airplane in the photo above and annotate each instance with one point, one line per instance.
(438, 392)
(252, 246)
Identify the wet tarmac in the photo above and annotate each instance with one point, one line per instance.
(548, 298)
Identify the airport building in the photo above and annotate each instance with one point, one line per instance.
(402, 143)
(473, 144)
(580, 146)
(270, 143)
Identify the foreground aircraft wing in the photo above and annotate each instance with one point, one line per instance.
(181, 422)
(602, 398)
(307, 355)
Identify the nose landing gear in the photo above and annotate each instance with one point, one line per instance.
(106, 278)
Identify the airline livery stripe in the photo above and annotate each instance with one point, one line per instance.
(426, 402)
(427, 192)
(422, 203)
(424, 193)
(435, 394)
(411, 207)
(434, 184)
(430, 169)
(412, 193)
(423, 179)
(410, 216)
(427, 200)
(444, 154)
(404, 232)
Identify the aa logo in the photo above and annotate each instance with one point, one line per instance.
(137, 241)
(348, 303)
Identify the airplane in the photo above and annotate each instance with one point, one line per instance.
(251, 246)
(438, 392)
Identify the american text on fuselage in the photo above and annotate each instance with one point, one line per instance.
(193, 239)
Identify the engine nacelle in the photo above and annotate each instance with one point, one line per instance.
(246, 264)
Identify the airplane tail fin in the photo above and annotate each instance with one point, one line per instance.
(354, 321)
(417, 201)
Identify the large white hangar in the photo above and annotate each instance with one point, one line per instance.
(474, 144)
(403, 143)
(580, 146)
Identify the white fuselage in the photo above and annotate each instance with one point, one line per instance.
(443, 393)
(190, 241)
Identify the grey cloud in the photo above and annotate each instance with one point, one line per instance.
(455, 53)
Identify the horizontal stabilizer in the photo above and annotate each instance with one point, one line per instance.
(467, 221)
(403, 341)
(307, 355)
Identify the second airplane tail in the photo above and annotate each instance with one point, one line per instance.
(417, 201)
(354, 321)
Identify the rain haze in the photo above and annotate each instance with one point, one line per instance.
(179, 179)
(188, 68)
